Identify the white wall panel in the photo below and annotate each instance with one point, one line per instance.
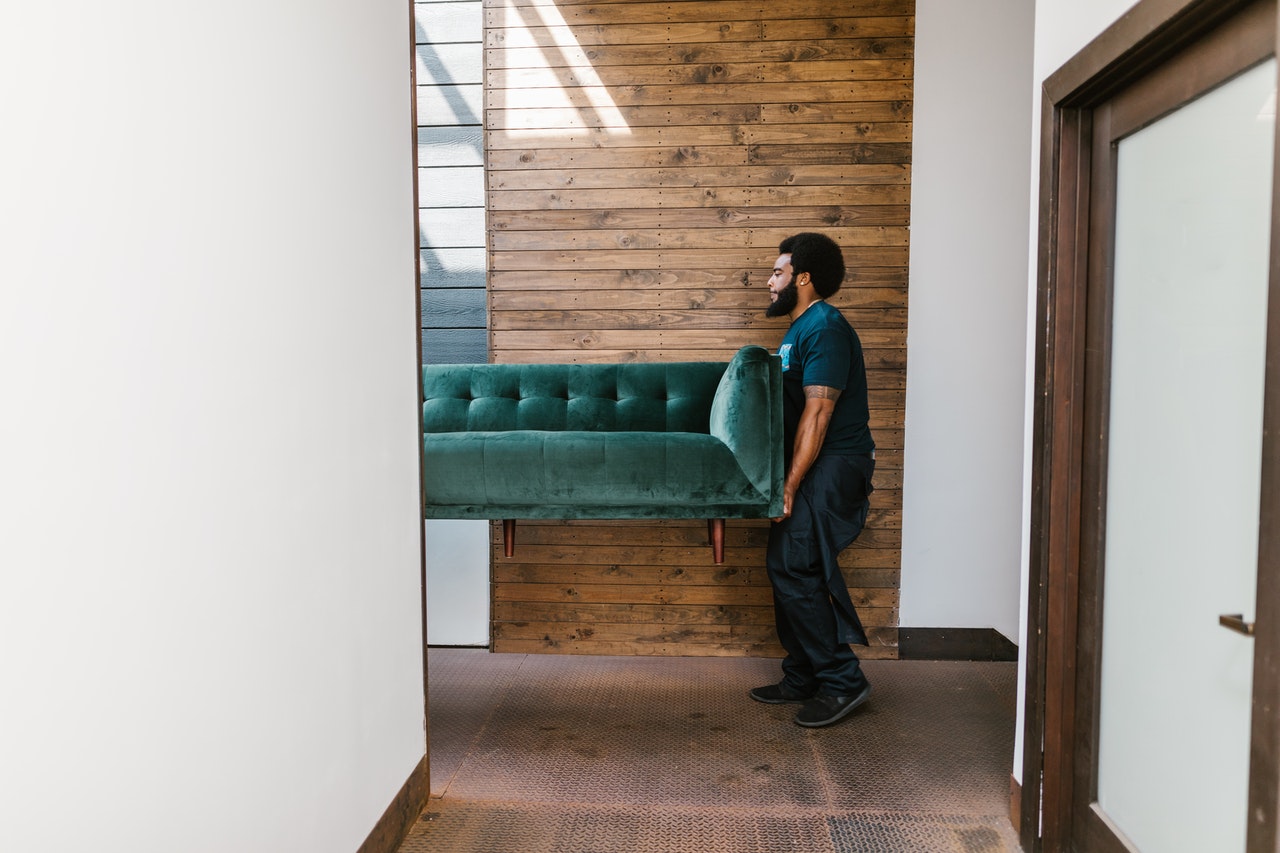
(966, 339)
(210, 545)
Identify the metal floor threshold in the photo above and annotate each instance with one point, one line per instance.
(578, 754)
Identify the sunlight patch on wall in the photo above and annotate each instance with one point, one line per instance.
(559, 89)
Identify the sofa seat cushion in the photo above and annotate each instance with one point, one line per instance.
(558, 474)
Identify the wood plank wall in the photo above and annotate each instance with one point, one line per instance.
(643, 161)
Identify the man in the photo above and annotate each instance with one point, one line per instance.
(830, 458)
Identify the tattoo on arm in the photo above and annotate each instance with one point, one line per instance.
(821, 392)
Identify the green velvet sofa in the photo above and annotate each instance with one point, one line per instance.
(604, 441)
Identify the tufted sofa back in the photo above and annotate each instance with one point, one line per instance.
(645, 396)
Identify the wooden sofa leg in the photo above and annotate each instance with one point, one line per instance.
(508, 537)
(715, 533)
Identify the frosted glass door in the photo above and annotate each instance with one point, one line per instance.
(1193, 202)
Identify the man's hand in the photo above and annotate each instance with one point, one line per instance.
(788, 495)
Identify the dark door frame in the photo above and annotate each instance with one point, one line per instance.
(1064, 596)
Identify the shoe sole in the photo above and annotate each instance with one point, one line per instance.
(753, 695)
(838, 715)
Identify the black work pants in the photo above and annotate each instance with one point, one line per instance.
(816, 619)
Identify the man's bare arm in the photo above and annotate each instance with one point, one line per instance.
(822, 392)
(819, 404)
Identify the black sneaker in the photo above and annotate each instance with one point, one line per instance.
(779, 694)
(824, 710)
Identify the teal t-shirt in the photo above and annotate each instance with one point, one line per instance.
(821, 348)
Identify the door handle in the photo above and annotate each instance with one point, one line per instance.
(1235, 621)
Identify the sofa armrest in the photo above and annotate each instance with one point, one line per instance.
(746, 414)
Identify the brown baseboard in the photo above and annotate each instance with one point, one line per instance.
(955, 644)
(398, 819)
(1015, 804)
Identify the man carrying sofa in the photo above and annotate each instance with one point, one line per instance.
(830, 461)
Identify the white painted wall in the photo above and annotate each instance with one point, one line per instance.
(966, 341)
(210, 545)
(457, 582)
(1062, 29)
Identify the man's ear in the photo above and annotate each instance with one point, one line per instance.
(804, 278)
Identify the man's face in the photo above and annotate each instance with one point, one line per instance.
(782, 290)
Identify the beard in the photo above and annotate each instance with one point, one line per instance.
(785, 303)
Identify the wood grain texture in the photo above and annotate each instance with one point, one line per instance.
(584, 73)
(778, 56)
(643, 161)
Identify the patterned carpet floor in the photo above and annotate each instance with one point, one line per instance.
(578, 754)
